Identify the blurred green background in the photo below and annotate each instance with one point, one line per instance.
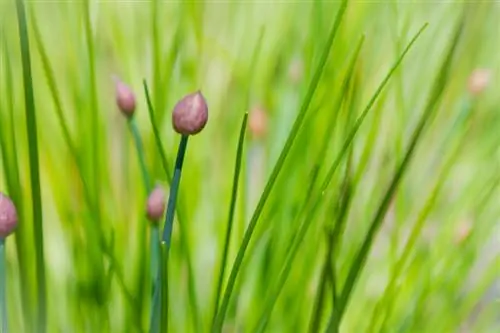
(256, 56)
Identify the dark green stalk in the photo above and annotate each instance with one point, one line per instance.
(31, 129)
(320, 295)
(3, 281)
(277, 169)
(435, 97)
(230, 219)
(157, 307)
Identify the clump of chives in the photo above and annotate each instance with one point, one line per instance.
(8, 224)
(189, 117)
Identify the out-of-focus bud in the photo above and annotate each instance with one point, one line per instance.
(478, 81)
(125, 98)
(463, 232)
(8, 216)
(190, 114)
(258, 122)
(296, 71)
(155, 207)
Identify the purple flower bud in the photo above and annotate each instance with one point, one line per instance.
(8, 216)
(125, 98)
(190, 114)
(155, 207)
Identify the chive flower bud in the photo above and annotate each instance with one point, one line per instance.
(258, 122)
(478, 81)
(8, 216)
(155, 206)
(125, 98)
(190, 114)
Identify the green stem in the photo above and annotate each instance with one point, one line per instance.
(158, 309)
(31, 128)
(230, 219)
(3, 297)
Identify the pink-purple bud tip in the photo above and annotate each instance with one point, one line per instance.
(125, 98)
(190, 114)
(155, 207)
(8, 216)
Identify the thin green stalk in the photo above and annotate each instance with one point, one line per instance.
(36, 196)
(159, 145)
(158, 302)
(435, 97)
(230, 219)
(277, 169)
(320, 295)
(94, 108)
(3, 281)
(183, 234)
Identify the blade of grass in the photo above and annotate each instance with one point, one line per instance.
(432, 103)
(31, 128)
(140, 154)
(230, 219)
(277, 168)
(318, 306)
(304, 226)
(159, 145)
(94, 109)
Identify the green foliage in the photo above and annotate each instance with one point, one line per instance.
(365, 199)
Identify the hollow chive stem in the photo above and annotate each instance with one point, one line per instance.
(3, 298)
(159, 311)
(174, 189)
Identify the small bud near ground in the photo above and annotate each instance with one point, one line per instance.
(155, 207)
(258, 122)
(190, 114)
(125, 98)
(8, 216)
(478, 81)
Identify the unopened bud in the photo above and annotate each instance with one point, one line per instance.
(258, 122)
(155, 207)
(296, 71)
(125, 98)
(478, 81)
(8, 216)
(190, 114)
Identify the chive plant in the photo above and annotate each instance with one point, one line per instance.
(307, 245)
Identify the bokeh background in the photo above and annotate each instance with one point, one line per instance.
(257, 57)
